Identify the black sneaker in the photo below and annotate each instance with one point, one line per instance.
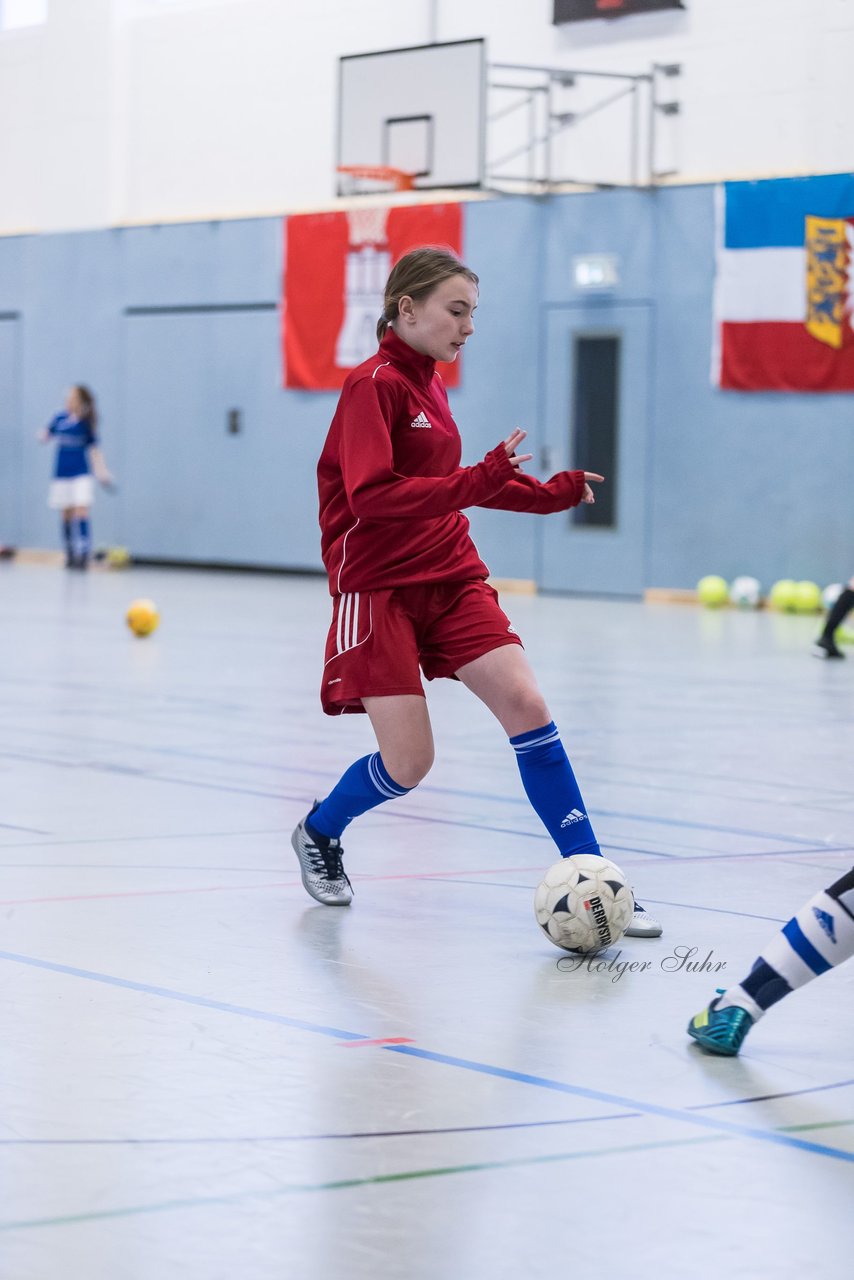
(321, 867)
(826, 648)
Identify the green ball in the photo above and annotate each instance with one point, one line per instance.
(118, 557)
(808, 598)
(782, 595)
(712, 591)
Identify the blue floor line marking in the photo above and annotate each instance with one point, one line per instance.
(603, 780)
(314, 1137)
(401, 1133)
(616, 1100)
(503, 1073)
(167, 993)
(772, 1097)
(681, 823)
(659, 902)
(799, 842)
(719, 911)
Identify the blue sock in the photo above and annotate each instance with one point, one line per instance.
(66, 537)
(551, 788)
(82, 538)
(366, 784)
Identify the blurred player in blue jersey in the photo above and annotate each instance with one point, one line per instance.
(817, 939)
(79, 462)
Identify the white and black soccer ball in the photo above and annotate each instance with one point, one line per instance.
(584, 903)
(745, 592)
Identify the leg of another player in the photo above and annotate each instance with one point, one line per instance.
(405, 740)
(68, 536)
(81, 536)
(505, 683)
(817, 939)
(826, 646)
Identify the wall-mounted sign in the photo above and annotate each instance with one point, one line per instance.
(582, 10)
(596, 271)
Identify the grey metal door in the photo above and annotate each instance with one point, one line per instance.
(12, 434)
(606, 559)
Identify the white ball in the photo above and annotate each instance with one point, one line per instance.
(831, 594)
(584, 903)
(745, 592)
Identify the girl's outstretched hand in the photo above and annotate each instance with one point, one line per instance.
(590, 477)
(515, 438)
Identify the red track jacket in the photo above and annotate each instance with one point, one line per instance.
(391, 485)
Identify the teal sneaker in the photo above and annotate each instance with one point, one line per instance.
(720, 1030)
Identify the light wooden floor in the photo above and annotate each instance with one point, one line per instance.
(190, 1077)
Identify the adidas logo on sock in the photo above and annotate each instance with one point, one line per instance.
(421, 421)
(574, 815)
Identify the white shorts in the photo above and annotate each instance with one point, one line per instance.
(77, 491)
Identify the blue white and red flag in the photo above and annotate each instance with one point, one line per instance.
(784, 285)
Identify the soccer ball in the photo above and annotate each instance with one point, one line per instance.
(745, 593)
(584, 903)
(142, 617)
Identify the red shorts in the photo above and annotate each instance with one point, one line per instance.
(379, 639)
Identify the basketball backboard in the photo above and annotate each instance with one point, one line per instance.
(420, 110)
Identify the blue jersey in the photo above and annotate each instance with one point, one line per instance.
(74, 436)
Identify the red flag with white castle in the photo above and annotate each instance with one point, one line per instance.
(336, 266)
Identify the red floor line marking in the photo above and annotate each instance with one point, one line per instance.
(410, 875)
(147, 893)
(359, 1044)
(223, 888)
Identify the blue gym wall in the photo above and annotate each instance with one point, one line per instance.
(174, 325)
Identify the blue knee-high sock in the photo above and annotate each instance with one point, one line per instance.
(82, 538)
(366, 784)
(552, 790)
(66, 536)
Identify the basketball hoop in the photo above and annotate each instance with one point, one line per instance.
(361, 178)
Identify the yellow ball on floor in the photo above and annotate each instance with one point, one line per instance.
(142, 617)
(782, 595)
(118, 557)
(712, 591)
(807, 598)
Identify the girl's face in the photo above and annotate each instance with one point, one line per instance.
(440, 324)
(73, 403)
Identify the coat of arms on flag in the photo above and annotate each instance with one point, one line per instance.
(784, 288)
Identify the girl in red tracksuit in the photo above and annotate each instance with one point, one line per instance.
(409, 591)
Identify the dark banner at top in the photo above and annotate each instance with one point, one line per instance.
(582, 10)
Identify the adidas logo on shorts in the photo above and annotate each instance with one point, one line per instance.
(421, 421)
